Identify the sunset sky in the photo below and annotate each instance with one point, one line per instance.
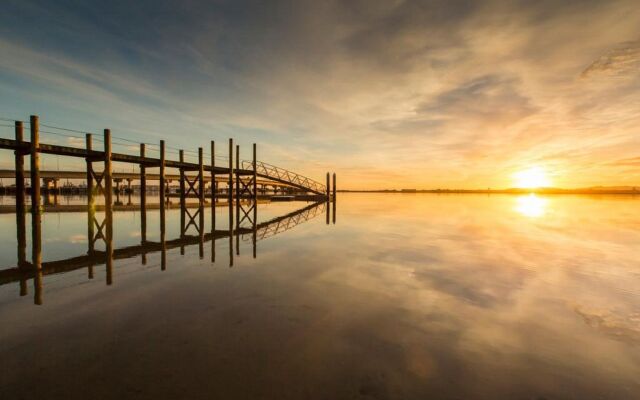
(393, 94)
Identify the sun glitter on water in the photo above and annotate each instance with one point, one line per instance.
(531, 178)
(531, 206)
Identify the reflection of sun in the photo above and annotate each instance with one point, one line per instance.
(534, 177)
(531, 206)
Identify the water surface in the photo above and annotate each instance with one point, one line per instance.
(404, 297)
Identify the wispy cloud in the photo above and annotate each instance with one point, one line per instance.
(424, 93)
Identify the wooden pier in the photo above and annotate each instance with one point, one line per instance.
(247, 183)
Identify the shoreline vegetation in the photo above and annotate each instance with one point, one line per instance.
(593, 190)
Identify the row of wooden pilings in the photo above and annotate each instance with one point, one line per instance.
(102, 183)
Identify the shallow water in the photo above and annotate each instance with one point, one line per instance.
(405, 296)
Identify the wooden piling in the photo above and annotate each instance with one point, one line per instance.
(162, 182)
(19, 165)
(21, 229)
(230, 183)
(91, 213)
(35, 163)
(230, 202)
(201, 176)
(255, 175)
(237, 199)
(108, 202)
(36, 221)
(255, 202)
(328, 188)
(333, 211)
(334, 186)
(143, 202)
(182, 200)
(213, 201)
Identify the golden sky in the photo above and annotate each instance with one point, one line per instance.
(394, 94)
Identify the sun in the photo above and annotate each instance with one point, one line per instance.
(531, 178)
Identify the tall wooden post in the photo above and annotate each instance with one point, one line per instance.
(201, 176)
(328, 188)
(91, 211)
(237, 199)
(213, 177)
(230, 200)
(162, 184)
(334, 199)
(108, 197)
(36, 222)
(35, 163)
(230, 183)
(20, 205)
(183, 207)
(19, 166)
(255, 175)
(255, 202)
(334, 186)
(143, 203)
(213, 201)
(328, 198)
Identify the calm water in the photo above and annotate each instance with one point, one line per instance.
(405, 297)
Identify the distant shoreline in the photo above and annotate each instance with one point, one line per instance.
(501, 191)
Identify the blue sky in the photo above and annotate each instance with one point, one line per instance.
(387, 94)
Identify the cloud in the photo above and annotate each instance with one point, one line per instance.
(622, 60)
(458, 92)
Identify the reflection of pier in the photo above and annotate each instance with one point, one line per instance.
(256, 232)
(282, 224)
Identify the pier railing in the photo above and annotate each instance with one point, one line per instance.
(282, 175)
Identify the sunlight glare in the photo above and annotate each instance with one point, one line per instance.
(534, 177)
(531, 206)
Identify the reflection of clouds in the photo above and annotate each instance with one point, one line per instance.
(78, 239)
(613, 324)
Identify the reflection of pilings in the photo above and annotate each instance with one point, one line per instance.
(230, 234)
(269, 228)
(163, 244)
(108, 202)
(201, 231)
